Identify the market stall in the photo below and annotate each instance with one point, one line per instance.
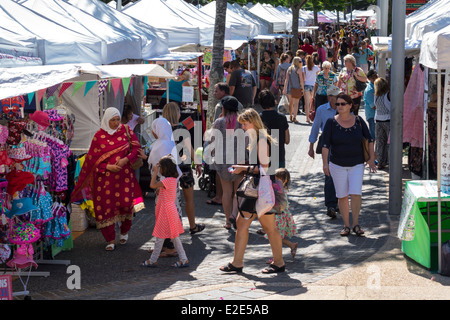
(43, 109)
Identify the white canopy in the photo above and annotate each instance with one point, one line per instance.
(153, 41)
(117, 44)
(56, 43)
(16, 50)
(435, 49)
(23, 80)
(279, 24)
(287, 12)
(240, 28)
(182, 26)
(430, 17)
(262, 26)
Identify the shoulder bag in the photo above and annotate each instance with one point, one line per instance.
(365, 143)
(248, 187)
(296, 93)
(360, 86)
(139, 162)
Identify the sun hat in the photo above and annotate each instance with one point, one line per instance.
(41, 118)
(22, 258)
(21, 206)
(333, 90)
(18, 153)
(23, 232)
(18, 180)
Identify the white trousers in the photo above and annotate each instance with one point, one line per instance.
(347, 180)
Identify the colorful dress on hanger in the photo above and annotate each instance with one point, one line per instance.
(113, 193)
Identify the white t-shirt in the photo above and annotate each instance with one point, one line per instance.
(310, 76)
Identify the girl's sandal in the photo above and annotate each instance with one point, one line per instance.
(358, 231)
(180, 264)
(294, 251)
(345, 232)
(146, 263)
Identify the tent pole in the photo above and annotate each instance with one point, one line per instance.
(397, 91)
(439, 116)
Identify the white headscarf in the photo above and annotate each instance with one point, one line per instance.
(164, 145)
(108, 115)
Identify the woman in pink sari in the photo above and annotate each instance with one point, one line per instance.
(107, 178)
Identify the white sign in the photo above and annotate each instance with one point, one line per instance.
(188, 94)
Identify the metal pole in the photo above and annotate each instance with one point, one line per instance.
(382, 21)
(119, 5)
(397, 91)
(439, 119)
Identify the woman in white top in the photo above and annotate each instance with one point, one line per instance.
(310, 70)
(382, 120)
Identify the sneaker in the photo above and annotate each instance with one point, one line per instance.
(331, 212)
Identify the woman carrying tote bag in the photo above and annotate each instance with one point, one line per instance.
(251, 123)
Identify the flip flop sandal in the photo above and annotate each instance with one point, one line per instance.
(358, 231)
(198, 227)
(123, 239)
(274, 269)
(345, 232)
(230, 268)
(110, 247)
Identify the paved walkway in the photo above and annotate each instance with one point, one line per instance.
(327, 266)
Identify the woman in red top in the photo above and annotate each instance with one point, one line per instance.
(107, 178)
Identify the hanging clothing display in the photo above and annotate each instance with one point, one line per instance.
(34, 157)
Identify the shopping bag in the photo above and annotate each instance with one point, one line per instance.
(283, 105)
(266, 195)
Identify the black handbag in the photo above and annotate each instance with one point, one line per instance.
(319, 145)
(360, 86)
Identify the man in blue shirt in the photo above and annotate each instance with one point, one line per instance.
(323, 113)
(369, 100)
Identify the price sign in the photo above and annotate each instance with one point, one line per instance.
(6, 288)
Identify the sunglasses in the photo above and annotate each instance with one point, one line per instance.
(341, 104)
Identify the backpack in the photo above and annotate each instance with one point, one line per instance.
(281, 77)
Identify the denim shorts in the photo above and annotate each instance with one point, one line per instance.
(309, 88)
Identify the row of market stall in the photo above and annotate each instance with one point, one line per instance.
(425, 219)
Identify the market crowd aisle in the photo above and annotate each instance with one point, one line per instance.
(117, 275)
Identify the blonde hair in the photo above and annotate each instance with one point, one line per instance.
(381, 87)
(171, 113)
(250, 115)
(350, 58)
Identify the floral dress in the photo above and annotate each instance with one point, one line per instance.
(285, 224)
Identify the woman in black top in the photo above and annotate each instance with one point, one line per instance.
(342, 141)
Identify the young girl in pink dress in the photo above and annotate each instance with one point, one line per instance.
(168, 223)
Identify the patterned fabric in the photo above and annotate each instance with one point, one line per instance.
(323, 83)
(413, 109)
(348, 85)
(285, 224)
(168, 223)
(382, 146)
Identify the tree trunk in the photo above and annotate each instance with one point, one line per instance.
(216, 72)
(295, 14)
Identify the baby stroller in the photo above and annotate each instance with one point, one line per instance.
(207, 182)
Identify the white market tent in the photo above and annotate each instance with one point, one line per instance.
(117, 44)
(23, 80)
(153, 41)
(240, 28)
(280, 15)
(16, 50)
(56, 43)
(181, 27)
(279, 24)
(302, 22)
(263, 26)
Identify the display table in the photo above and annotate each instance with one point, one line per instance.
(418, 221)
